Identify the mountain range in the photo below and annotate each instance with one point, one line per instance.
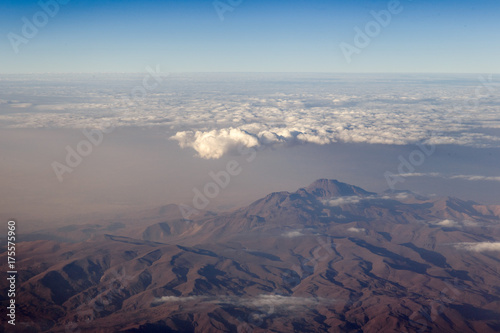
(329, 257)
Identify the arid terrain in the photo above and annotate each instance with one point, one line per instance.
(330, 257)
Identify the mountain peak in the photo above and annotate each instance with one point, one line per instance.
(327, 188)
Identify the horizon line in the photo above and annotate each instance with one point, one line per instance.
(256, 72)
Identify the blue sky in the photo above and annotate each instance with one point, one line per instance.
(255, 36)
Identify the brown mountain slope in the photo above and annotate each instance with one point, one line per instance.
(327, 258)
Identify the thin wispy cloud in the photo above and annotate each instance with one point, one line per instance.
(475, 177)
(292, 234)
(478, 247)
(288, 302)
(450, 223)
(354, 199)
(465, 177)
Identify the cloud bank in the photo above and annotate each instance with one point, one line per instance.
(214, 114)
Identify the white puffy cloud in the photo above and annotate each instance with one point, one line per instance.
(479, 246)
(215, 143)
(357, 230)
(447, 223)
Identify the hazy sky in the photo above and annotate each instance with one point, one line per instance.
(354, 128)
(135, 169)
(352, 119)
(254, 35)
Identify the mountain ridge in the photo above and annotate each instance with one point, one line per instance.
(327, 257)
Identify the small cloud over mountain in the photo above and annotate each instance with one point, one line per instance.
(479, 246)
(292, 234)
(357, 230)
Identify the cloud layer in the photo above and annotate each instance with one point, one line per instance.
(214, 114)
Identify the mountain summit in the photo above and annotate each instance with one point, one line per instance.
(328, 188)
